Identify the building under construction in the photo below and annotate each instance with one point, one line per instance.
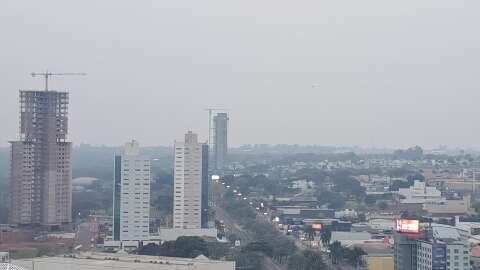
(41, 175)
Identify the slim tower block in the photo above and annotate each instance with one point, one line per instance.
(220, 145)
(131, 195)
(190, 198)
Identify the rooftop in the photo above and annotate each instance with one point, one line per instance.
(100, 261)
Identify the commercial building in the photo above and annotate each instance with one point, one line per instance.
(378, 255)
(350, 238)
(475, 257)
(405, 250)
(449, 255)
(435, 247)
(379, 262)
(113, 261)
(446, 207)
(220, 145)
(131, 195)
(4, 257)
(190, 201)
(10, 235)
(41, 173)
(424, 199)
(419, 193)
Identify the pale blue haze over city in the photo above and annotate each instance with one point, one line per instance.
(368, 73)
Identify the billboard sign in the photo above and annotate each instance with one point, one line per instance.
(408, 226)
(439, 256)
(317, 226)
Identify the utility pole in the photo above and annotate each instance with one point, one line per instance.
(47, 74)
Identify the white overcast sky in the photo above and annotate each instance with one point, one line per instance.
(387, 73)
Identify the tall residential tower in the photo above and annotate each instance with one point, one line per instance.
(131, 195)
(190, 201)
(220, 146)
(41, 173)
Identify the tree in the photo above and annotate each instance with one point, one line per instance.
(282, 245)
(336, 252)
(413, 153)
(331, 199)
(259, 246)
(297, 262)
(382, 205)
(416, 176)
(306, 260)
(309, 231)
(217, 250)
(400, 172)
(354, 256)
(370, 200)
(191, 246)
(476, 206)
(397, 184)
(249, 260)
(345, 183)
(326, 236)
(150, 249)
(184, 246)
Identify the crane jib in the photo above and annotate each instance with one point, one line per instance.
(47, 74)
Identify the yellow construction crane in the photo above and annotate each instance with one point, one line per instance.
(48, 74)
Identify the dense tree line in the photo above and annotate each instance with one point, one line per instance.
(341, 255)
(306, 260)
(184, 246)
(259, 183)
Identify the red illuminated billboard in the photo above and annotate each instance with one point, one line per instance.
(408, 226)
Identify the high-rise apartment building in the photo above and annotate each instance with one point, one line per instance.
(405, 250)
(131, 195)
(41, 173)
(220, 146)
(443, 254)
(190, 198)
(438, 247)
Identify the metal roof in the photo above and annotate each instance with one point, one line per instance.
(9, 266)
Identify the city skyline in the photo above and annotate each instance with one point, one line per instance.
(227, 135)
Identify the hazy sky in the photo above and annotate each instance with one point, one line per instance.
(387, 73)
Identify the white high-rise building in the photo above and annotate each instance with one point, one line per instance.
(190, 201)
(131, 195)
